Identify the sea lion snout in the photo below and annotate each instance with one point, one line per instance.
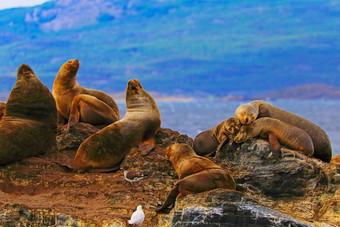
(72, 65)
(134, 84)
(169, 150)
(24, 69)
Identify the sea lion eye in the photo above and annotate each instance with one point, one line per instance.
(69, 61)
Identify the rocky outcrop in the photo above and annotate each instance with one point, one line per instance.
(294, 190)
(294, 184)
(220, 207)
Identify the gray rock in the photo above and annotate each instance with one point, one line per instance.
(293, 174)
(221, 207)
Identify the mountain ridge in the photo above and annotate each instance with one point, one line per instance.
(197, 48)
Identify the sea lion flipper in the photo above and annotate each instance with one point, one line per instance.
(275, 145)
(147, 146)
(170, 200)
(89, 109)
(224, 141)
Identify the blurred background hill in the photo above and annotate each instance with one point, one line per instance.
(205, 49)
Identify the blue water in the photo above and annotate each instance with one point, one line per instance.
(192, 118)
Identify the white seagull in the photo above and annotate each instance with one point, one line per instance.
(137, 217)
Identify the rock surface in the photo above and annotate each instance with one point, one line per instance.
(295, 190)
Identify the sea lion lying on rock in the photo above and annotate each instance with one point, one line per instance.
(196, 174)
(29, 125)
(211, 140)
(107, 147)
(278, 132)
(75, 103)
(248, 112)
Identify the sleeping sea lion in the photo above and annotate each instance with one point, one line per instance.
(248, 112)
(196, 174)
(210, 140)
(278, 133)
(29, 124)
(75, 103)
(106, 148)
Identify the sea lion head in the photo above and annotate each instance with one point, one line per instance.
(135, 94)
(134, 86)
(24, 72)
(232, 125)
(71, 65)
(137, 97)
(246, 113)
(68, 71)
(244, 133)
(178, 151)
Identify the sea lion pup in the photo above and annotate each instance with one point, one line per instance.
(248, 112)
(196, 174)
(75, 103)
(106, 148)
(278, 133)
(2, 109)
(210, 140)
(29, 125)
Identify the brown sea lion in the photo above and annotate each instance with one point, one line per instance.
(278, 133)
(2, 109)
(107, 148)
(75, 103)
(29, 125)
(196, 174)
(210, 140)
(248, 112)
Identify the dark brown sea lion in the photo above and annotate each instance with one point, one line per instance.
(278, 133)
(2, 109)
(75, 103)
(107, 148)
(208, 141)
(248, 112)
(196, 174)
(29, 125)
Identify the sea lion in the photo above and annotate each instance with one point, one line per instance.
(248, 112)
(278, 133)
(196, 174)
(75, 103)
(2, 109)
(208, 141)
(107, 147)
(29, 125)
